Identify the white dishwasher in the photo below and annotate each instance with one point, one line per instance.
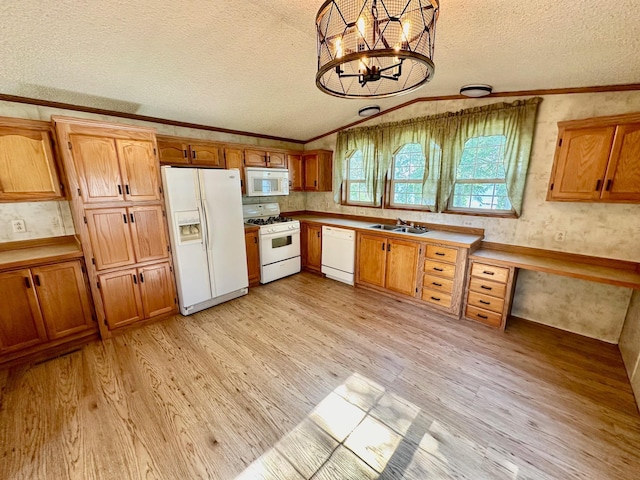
(338, 253)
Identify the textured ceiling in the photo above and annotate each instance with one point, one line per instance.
(250, 65)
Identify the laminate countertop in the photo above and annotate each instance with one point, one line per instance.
(36, 252)
(442, 237)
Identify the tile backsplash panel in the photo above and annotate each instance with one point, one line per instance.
(42, 220)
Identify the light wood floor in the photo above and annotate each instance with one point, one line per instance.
(306, 376)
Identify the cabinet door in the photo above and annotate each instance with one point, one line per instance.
(27, 166)
(313, 240)
(63, 297)
(121, 297)
(402, 266)
(296, 173)
(255, 158)
(277, 160)
(311, 172)
(21, 323)
(206, 154)
(622, 182)
(98, 168)
(581, 163)
(253, 257)
(158, 293)
(372, 254)
(110, 237)
(140, 170)
(173, 152)
(148, 233)
(234, 158)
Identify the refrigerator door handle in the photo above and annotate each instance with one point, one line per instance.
(207, 216)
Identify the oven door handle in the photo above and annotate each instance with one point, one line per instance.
(268, 236)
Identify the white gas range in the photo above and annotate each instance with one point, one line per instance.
(279, 240)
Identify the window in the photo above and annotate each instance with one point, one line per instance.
(480, 177)
(407, 177)
(357, 191)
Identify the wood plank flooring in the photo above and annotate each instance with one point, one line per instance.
(309, 378)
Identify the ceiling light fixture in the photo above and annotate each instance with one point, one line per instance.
(369, 110)
(475, 91)
(375, 48)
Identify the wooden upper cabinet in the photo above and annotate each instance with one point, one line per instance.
(234, 158)
(402, 266)
(157, 293)
(622, 180)
(63, 297)
(371, 259)
(121, 297)
(597, 160)
(110, 237)
(21, 324)
(318, 175)
(148, 233)
(173, 152)
(96, 160)
(296, 172)
(582, 162)
(27, 165)
(139, 168)
(265, 158)
(206, 154)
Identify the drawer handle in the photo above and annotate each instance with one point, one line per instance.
(438, 269)
(484, 303)
(482, 316)
(440, 254)
(488, 273)
(486, 288)
(436, 284)
(435, 298)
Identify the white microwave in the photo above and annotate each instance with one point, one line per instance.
(265, 182)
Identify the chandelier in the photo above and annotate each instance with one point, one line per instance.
(375, 48)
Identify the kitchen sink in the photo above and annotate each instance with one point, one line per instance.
(400, 229)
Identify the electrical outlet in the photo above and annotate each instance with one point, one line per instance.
(559, 237)
(18, 226)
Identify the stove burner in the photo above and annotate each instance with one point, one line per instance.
(269, 221)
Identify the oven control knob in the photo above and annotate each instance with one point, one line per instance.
(271, 230)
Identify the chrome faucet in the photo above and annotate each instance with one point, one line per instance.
(401, 222)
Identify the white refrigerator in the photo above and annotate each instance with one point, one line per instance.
(204, 210)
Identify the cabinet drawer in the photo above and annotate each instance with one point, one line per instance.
(437, 298)
(444, 254)
(487, 287)
(485, 301)
(490, 272)
(436, 283)
(439, 269)
(484, 316)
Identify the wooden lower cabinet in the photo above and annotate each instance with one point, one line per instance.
(311, 247)
(489, 292)
(137, 293)
(64, 300)
(387, 262)
(21, 324)
(42, 305)
(253, 257)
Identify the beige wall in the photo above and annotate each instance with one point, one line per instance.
(606, 230)
(53, 218)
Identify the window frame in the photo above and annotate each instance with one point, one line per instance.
(390, 184)
(346, 187)
(502, 213)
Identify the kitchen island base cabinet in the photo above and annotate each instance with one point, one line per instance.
(137, 293)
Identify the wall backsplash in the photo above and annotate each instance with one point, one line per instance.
(42, 219)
